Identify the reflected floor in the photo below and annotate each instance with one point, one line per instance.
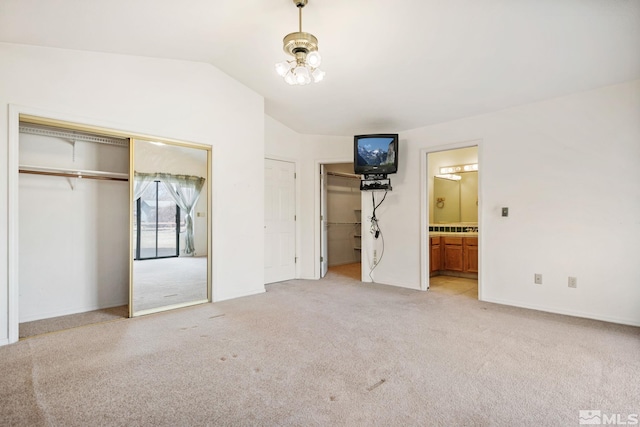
(454, 286)
(168, 281)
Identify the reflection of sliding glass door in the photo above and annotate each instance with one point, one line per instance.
(157, 224)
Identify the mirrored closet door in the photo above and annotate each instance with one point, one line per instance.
(169, 226)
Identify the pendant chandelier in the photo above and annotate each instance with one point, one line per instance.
(303, 68)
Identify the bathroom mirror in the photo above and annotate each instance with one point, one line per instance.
(169, 226)
(456, 200)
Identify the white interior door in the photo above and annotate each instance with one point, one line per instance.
(324, 225)
(279, 221)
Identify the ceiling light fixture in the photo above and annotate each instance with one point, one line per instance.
(304, 48)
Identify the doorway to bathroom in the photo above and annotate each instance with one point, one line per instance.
(453, 227)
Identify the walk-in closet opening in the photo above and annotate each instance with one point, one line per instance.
(341, 220)
(453, 221)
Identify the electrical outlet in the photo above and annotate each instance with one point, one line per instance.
(573, 282)
(537, 279)
(375, 257)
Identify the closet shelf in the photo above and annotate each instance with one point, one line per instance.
(72, 135)
(73, 173)
(344, 175)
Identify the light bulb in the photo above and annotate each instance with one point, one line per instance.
(282, 68)
(318, 75)
(290, 78)
(302, 75)
(314, 59)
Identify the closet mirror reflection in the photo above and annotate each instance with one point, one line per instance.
(170, 226)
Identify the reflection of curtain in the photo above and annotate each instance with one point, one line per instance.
(140, 183)
(185, 191)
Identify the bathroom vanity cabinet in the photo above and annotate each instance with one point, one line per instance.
(454, 255)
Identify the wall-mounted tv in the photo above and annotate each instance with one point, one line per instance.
(375, 154)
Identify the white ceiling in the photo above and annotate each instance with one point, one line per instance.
(391, 65)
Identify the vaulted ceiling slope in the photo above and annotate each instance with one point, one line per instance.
(391, 66)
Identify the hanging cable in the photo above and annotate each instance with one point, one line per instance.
(375, 230)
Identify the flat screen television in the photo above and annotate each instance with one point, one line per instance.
(375, 154)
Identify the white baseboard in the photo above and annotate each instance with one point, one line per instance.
(396, 283)
(241, 294)
(74, 310)
(4, 341)
(574, 313)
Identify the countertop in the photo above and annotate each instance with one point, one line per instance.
(444, 233)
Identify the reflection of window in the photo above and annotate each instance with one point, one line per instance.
(183, 190)
(158, 222)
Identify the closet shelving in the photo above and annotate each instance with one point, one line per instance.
(71, 137)
(358, 237)
(346, 234)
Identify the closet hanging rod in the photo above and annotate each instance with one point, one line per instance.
(73, 173)
(343, 175)
(343, 223)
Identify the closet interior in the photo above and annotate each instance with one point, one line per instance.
(343, 214)
(73, 222)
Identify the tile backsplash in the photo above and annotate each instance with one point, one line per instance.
(453, 228)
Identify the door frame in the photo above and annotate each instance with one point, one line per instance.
(324, 221)
(317, 222)
(297, 203)
(424, 210)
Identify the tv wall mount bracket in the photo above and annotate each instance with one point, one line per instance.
(375, 182)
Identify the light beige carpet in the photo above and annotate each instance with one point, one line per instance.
(54, 324)
(325, 353)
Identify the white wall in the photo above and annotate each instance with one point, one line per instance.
(173, 99)
(73, 235)
(567, 168)
(308, 152)
(316, 150)
(282, 143)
